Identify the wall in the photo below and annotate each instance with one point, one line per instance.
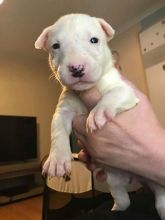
(127, 44)
(25, 89)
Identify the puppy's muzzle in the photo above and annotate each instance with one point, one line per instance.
(77, 71)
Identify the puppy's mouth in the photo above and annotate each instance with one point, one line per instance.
(82, 85)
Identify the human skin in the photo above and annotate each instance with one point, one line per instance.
(133, 140)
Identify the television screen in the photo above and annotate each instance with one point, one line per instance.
(18, 138)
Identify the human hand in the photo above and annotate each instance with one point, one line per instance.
(128, 142)
(91, 165)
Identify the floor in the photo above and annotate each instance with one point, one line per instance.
(29, 209)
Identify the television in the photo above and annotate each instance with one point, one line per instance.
(18, 139)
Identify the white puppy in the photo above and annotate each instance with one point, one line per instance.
(80, 59)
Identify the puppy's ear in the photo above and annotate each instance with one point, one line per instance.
(41, 42)
(107, 28)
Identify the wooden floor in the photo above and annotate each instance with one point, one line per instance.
(29, 209)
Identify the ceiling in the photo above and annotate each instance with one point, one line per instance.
(21, 21)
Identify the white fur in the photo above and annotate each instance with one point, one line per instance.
(73, 34)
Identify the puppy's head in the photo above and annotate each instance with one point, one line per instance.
(79, 54)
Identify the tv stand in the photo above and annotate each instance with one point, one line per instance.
(21, 184)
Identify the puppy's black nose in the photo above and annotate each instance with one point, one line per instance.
(77, 71)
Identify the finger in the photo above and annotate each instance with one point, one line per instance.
(91, 165)
(79, 124)
(101, 176)
(81, 139)
(80, 144)
(83, 156)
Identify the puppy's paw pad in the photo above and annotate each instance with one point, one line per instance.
(97, 118)
(101, 118)
(57, 167)
(63, 168)
(90, 124)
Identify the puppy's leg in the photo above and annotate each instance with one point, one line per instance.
(114, 101)
(159, 199)
(59, 160)
(118, 182)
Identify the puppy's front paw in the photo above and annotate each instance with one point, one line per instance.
(98, 117)
(57, 165)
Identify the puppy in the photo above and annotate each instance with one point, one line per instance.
(81, 59)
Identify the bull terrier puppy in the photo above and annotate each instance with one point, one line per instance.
(80, 58)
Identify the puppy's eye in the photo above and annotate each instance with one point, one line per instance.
(94, 40)
(56, 46)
